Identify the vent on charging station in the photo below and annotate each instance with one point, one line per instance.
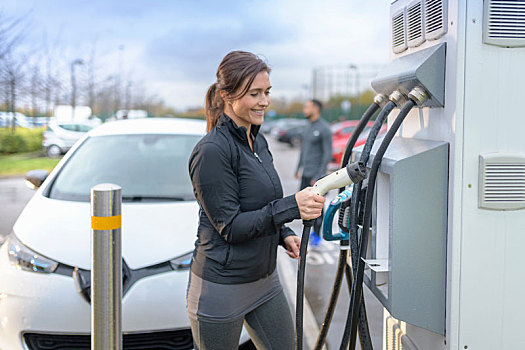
(415, 24)
(435, 18)
(504, 23)
(399, 34)
(502, 181)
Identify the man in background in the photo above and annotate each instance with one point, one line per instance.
(316, 153)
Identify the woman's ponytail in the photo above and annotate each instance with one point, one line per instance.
(214, 107)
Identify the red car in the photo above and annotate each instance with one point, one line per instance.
(341, 133)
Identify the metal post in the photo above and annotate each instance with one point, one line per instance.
(74, 87)
(106, 267)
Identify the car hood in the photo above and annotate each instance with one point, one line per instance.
(341, 142)
(151, 232)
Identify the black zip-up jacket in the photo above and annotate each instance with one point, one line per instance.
(242, 209)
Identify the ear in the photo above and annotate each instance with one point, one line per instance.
(224, 95)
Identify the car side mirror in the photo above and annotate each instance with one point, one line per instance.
(35, 178)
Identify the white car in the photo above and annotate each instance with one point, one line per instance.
(59, 137)
(6, 119)
(45, 262)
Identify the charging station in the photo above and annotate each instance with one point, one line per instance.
(407, 249)
(448, 218)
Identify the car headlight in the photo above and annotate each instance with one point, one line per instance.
(27, 259)
(182, 262)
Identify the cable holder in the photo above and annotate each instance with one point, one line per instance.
(381, 100)
(418, 95)
(398, 98)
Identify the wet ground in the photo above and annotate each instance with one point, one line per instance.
(321, 261)
(13, 197)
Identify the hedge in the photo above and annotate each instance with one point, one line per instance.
(22, 140)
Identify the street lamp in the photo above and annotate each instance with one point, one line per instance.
(356, 82)
(74, 86)
(306, 89)
(118, 87)
(314, 83)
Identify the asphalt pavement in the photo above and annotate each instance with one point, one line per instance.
(14, 195)
(321, 261)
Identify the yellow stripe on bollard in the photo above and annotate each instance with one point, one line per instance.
(102, 223)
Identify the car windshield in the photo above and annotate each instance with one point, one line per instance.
(147, 167)
(337, 126)
(348, 130)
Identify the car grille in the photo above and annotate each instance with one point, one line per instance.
(165, 340)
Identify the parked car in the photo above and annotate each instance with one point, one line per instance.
(59, 137)
(267, 126)
(292, 135)
(286, 123)
(21, 120)
(37, 122)
(341, 132)
(45, 262)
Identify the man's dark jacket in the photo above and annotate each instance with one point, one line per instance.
(242, 209)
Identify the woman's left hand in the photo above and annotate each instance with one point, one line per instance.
(293, 244)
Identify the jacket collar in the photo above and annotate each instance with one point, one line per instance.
(238, 131)
(316, 121)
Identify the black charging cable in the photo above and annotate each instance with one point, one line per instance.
(342, 266)
(415, 96)
(307, 225)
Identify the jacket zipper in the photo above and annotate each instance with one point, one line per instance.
(267, 270)
(266, 171)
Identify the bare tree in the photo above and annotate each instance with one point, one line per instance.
(11, 33)
(12, 76)
(54, 78)
(12, 65)
(91, 80)
(43, 82)
(49, 81)
(35, 88)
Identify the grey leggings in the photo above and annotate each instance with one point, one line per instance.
(270, 327)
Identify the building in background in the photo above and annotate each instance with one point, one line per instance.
(342, 80)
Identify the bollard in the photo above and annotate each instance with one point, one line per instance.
(106, 267)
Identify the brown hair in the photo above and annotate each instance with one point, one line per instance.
(235, 68)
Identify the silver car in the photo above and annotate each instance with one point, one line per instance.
(59, 137)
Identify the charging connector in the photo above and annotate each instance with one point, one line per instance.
(352, 173)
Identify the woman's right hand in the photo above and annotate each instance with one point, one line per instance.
(310, 204)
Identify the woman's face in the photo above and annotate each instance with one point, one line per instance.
(249, 109)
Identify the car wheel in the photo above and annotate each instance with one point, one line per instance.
(295, 141)
(54, 151)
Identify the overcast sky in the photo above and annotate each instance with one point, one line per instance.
(175, 46)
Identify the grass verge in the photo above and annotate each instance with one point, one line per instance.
(19, 164)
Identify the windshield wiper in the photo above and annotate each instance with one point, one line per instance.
(153, 198)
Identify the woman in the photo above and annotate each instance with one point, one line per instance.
(233, 279)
